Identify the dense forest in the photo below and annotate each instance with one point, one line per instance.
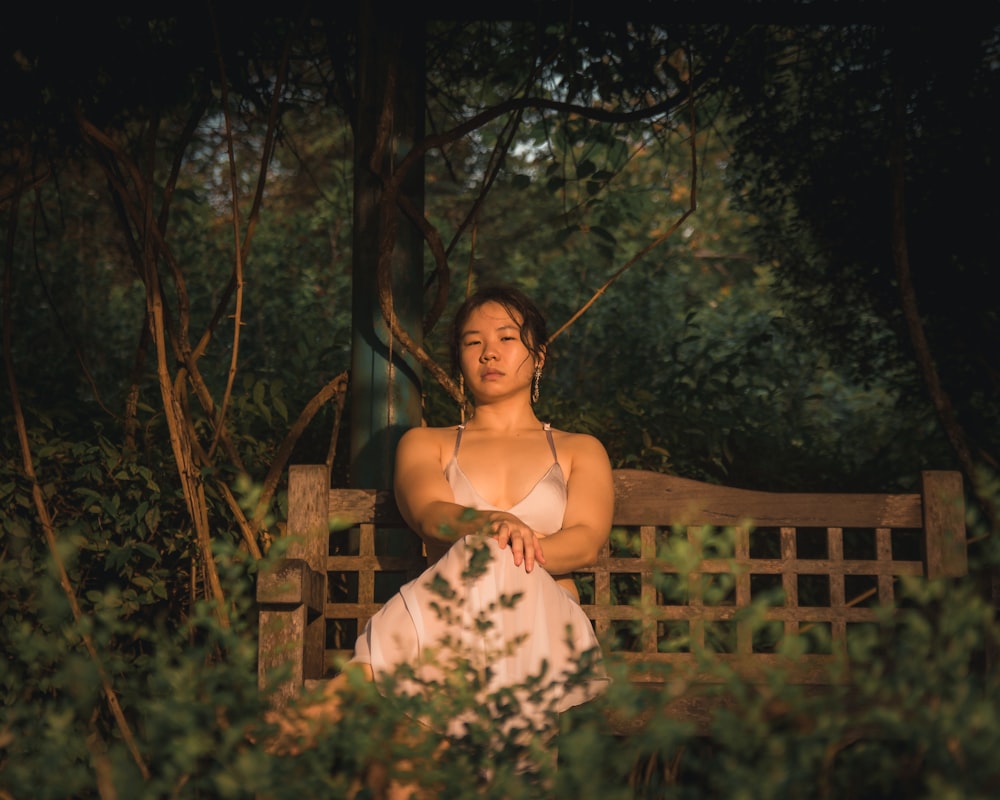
(764, 251)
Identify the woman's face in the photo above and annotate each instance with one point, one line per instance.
(494, 360)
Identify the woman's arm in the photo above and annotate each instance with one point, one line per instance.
(423, 495)
(589, 508)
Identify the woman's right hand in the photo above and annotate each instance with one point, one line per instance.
(525, 544)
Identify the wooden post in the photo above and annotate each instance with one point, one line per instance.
(291, 597)
(944, 524)
(308, 510)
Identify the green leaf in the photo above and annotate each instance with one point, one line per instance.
(585, 168)
(555, 184)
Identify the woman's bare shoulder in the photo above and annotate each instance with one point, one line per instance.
(582, 445)
(424, 447)
(585, 462)
(427, 437)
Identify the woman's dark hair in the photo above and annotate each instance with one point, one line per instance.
(514, 302)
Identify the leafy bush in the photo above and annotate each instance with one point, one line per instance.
(921, 720)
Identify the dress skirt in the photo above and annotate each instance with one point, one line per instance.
(474, 613)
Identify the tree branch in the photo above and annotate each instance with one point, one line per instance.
(336, 387)
(692, 207)
(110, 696)
(939, 397)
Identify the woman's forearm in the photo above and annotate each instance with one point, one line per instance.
(570, 549)
(565, 550)
(446, 522)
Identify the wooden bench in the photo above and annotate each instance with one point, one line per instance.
(668, 588)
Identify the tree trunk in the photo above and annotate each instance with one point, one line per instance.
(385, 384)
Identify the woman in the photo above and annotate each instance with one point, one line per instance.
(538, 499)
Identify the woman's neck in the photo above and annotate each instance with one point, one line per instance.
(503, 417)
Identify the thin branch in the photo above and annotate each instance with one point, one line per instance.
(336, 387)
(234, 189)
(939, 397)
(38, 498)
(247, 529)
(521, 104)
(181, 442)
(187, 134)
(270, 132)
(692, 207)
(242, 246)
(338, 416)
(181, 431)
(383, 289)
(497, 156)
(442, 271)
(431, 235)
(621, 271)
(131, 215)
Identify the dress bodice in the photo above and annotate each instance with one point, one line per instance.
(542, 508)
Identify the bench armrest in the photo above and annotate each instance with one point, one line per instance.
(291, 599)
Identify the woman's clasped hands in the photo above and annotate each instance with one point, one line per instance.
(524, 543)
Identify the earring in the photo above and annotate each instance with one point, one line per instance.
(534, 383)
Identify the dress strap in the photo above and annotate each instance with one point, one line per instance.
(547, 427)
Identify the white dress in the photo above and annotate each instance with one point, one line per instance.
(502, 623)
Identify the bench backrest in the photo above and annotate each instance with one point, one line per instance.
(668, 586)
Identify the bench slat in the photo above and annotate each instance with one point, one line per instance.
(771, 566)
(649, 497)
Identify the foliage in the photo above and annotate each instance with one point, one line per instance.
(821, 111)
(918, 721)
(188, 688)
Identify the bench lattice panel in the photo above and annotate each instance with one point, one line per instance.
(653, 607)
